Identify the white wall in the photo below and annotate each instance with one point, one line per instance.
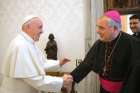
(128, 25)
(64, 18)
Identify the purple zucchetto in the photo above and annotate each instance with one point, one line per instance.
(114, 15)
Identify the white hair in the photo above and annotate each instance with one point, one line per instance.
(112, 23)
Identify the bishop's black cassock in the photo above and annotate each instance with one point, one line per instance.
(123, 64)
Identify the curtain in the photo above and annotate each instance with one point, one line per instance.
(93, 10)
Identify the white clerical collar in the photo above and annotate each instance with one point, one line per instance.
(27, 37)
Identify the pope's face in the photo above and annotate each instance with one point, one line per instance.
(36, 28)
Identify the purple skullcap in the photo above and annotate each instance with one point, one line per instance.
(114, 15)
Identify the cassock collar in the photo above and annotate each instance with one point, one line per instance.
(137, 34)
(113, 41)
(27, 37)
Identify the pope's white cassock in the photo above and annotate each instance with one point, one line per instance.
(24, 69)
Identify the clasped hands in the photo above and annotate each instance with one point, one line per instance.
(67, 83)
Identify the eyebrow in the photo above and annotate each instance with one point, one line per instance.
(133, 23)
(101, 27)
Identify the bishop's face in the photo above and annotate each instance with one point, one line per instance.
(104, 31)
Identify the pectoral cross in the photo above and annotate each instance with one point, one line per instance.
(104, 71)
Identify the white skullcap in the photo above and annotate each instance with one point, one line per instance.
(28, 18)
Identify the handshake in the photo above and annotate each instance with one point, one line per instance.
(67, 83)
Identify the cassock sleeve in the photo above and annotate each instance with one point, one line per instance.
(49, 65)
(80, 72)
(52, 65)
(86, 66)
(45, 83)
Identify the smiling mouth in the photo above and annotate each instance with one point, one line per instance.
(134, 29)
